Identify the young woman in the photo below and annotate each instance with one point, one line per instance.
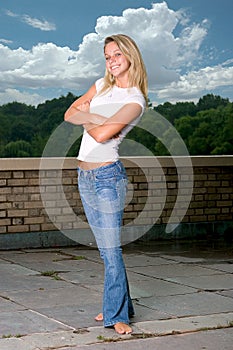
(108, 111)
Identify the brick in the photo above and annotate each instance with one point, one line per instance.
(5, 174)
(34, 182)
(199, 218)
(17, 205)
(18, 228)
(48, 227)
(36, 204)
(226, 184)
(18, 174)
(171, 185)
(17, 221)
(5, 205)
(30, 174)
(5, 222)
(34, 228)
(139, 178)
(2, 229)
(32, 189)
(34, 220)
(212, 183)
(224, 203)
(17, 213)
(211, 218)
(199, 197)
(171, 171)
(224, 190)
(225, 210)
(17, 190)
(50, 181)
(214, 197)
(17, 198)
(211, 177)
(212, 211)
(35, 197)
(5, 190)
(18, 182)
(223, 217)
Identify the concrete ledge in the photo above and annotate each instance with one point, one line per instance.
(71, 163)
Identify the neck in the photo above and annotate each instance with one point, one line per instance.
(121, 83)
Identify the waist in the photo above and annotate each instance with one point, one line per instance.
(109, 170)
(89, 165)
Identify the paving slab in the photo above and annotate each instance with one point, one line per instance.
(16, 270)
(27, 322)
(9, 306)
(185, 324)
(211, 282)
(171, 270)
(200, 303)
(17, 343)
(89, 277)
(51, 261)
(157, 287)
(16, 283)
(53, 297)
(145, 313)
(89, 253)
(205, 340)
(227, 293)
(224, 267)
(76, 316)
(182, 259)
(134, 260)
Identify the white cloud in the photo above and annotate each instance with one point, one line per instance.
(205, 80)
(37, 23)
(33, 22)
(12, 95)
(5, 41)
(170, 58)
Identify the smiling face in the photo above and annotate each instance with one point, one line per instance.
(116, 62)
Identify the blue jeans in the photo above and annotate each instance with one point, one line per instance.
(103, 192)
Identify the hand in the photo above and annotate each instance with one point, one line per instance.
(84, 107)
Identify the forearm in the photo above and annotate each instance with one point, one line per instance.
(78, 117)
(102, 133)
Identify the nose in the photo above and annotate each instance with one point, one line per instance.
(111, 59)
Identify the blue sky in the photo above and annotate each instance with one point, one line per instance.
(51, 47)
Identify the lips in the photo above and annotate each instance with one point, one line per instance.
(114, 67)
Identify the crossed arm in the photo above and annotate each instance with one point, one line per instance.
(99, 127)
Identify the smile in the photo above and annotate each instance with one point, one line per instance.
(114, 67)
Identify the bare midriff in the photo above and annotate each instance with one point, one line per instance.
(89, 166)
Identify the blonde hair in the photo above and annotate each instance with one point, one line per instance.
(137, 70)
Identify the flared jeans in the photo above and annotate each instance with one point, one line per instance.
(102, 191)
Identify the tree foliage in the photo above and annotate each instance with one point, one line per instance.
(204, 128)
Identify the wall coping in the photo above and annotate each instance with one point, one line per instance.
(8, 164)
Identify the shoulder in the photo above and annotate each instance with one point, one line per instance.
(135, 95)
(99, 84)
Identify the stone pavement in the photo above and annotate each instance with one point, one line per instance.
(183, 297)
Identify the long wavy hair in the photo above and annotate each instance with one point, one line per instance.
(137, 71)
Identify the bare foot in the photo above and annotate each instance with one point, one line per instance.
(122, 328)
(99, 317)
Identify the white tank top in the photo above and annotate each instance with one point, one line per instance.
(106, 105)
